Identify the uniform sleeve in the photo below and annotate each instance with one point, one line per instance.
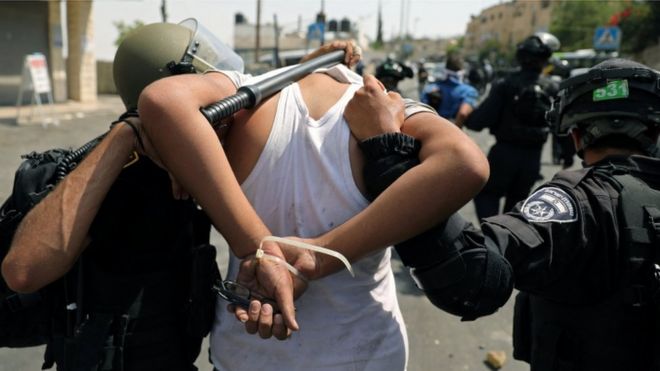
(548, 239)
(487, 114)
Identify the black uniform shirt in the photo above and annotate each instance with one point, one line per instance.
(563, 240)
(141, 239)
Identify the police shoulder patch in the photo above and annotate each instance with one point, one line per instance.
(550, 204)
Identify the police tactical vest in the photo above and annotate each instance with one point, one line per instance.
(523, 119)
(621, 331)
(639, 212)
(146, 298)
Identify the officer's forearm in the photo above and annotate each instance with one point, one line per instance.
(52, 235)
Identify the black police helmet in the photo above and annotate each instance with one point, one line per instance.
(539, 46)
(393, 69)
(617, 96)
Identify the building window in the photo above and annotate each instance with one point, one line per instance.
(545, 4)
(499, 15)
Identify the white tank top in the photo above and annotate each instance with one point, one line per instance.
(302, 185)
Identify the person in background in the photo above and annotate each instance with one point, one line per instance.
(391, 72)
(451, 97)
(514, 112)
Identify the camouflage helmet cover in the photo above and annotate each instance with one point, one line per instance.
(159, 50)
(143, 55)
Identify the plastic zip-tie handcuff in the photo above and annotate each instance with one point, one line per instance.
(260, 254)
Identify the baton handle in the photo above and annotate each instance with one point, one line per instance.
(249, 96)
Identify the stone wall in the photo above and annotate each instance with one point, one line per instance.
(104, 81)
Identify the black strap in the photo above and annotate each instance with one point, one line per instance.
(123, 118)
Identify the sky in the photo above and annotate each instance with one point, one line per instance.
(430, 18)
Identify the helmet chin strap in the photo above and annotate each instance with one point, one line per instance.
(201, 60)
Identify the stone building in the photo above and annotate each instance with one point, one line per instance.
(506, 24)
(28, 27)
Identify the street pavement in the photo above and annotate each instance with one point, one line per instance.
(437, 341)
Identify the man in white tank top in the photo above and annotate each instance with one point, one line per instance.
(296, 162)
(302, 185)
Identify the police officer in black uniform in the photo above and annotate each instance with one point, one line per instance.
(514, 112)
(584, 246)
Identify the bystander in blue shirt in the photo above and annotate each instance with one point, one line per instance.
(448, 95)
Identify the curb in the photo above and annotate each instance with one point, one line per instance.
(52, 114)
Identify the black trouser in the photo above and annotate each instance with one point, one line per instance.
(513, 172)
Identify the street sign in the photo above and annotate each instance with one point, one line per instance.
(316, 31)
(35, 79)
(36, 63)
(607, 38)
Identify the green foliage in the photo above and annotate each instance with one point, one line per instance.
(574, 22)
(125, 28)
(641, 27)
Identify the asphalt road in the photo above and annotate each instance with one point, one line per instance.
(437, 341)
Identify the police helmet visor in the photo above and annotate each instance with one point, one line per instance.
(206, 52)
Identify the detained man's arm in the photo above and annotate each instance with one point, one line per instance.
(452, 170)
(189, 148)
(53, 234)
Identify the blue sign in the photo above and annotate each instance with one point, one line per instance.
(316, 31)
(607, 38)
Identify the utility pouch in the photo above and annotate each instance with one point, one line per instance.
(200, 308)
(83, 351)
(522, 328)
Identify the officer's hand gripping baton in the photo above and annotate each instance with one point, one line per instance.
(249, 96)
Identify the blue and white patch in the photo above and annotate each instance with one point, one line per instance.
(549, 204)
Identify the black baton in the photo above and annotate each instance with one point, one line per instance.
(249, 96)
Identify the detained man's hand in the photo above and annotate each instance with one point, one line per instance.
(273, 280)
(352, 55)
(372, 111)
